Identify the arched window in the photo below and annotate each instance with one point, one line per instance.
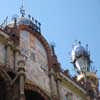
(32, 95)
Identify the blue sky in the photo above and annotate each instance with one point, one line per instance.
(63, 22)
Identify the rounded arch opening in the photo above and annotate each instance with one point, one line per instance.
(11, 74)
(2, 89)
(4, 81)
(33, 95)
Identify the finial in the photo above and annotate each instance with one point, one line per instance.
(39, 25)
(29, 16)
(32, 18)
(87, 47)
(36, 21)
(22, 10)
(79, 42)
(53, 48)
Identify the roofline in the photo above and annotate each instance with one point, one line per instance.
(3, 33)
(68, 79)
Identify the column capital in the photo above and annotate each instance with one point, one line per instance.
(21, 63)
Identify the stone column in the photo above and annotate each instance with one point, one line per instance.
(53, 86)
(21, 72)
(17, 53)
(22, 95)
(59, 87)
(8, 50)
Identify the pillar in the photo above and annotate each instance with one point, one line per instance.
(21, 72)
(8, 50)
(17, 53)
(53, 85)
(59, 87)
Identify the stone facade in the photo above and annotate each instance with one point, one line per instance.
(29, 68)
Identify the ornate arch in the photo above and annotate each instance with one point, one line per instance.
(41, 39)
(36, 34)
(36, 89)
